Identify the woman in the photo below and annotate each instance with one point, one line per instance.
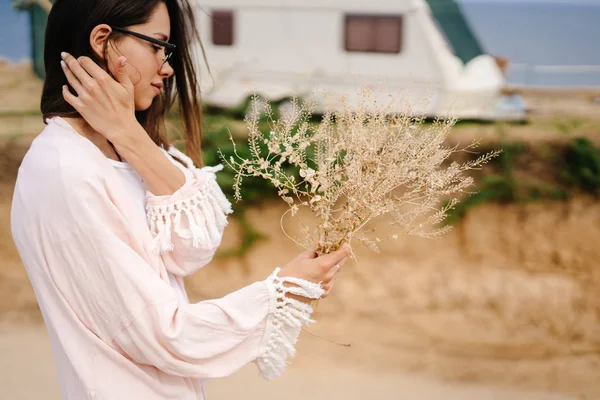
(109, 218)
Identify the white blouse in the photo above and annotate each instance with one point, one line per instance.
(133, 183)
(104, 256)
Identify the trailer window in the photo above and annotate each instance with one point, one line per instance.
(222, 28)
(376, 34)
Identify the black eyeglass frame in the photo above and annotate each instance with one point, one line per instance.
(169, 47)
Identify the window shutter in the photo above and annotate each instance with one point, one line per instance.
(374, 34)
(222, 28)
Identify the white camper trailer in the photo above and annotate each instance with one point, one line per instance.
(282, 48)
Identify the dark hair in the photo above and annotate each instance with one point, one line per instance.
(70, 24)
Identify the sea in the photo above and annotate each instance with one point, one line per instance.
(548, 42)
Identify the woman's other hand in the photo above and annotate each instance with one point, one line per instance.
(323, 270)
(106, 104)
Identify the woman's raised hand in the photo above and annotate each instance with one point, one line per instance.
(106, 104)
(323, 270)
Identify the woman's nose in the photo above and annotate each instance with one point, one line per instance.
(166, 70)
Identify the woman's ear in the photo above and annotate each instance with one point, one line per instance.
(98, 39)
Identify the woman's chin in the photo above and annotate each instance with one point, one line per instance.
(143, 105)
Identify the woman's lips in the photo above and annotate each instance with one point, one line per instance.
(158, 87)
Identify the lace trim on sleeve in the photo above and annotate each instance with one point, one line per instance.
(284, 323)
(206, 212)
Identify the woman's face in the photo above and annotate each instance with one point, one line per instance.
(144, 59)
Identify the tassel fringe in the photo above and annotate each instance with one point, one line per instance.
(206, 212)
(286, 320)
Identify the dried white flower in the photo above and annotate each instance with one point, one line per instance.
(363, 165)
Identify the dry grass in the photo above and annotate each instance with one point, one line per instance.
(357, 166)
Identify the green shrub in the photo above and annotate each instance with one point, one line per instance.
(255, 190)
(503, 187)
(582, 166)
(493, 188)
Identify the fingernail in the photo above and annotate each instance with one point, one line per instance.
(64, 87)
(63, 54)
(123, 62)
(63, 64)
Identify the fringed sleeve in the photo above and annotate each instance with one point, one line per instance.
(215, 338)
(188, 225)
(286, 318)
(112, 292)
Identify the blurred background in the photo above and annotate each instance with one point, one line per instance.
(505, 306)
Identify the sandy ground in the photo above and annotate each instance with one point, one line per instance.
(507, 317)
(28, 372)
(503, 307)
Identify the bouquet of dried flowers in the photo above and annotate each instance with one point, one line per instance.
(354, 167)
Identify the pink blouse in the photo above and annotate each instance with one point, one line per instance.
(100, 272)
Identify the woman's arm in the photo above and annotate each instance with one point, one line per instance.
(99, 96)
(185, 213)
(158, 172)
(187, 226)
(108, 107)
(117, 294)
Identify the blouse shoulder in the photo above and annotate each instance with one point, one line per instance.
(57, 165)
(60, 153)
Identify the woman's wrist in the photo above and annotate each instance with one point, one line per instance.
(296, 288)
(131, 139)
(159, 174)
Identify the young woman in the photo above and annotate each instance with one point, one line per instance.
(109, 218)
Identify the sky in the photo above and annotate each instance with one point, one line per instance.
(14, 32)
(565, 33)
(571, 2)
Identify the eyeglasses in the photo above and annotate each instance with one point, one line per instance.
(169, 47)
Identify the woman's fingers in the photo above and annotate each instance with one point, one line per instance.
(94, 70)
(322, 270)
(81, 74)
(328, 287)
(71, 99)
(331, 259)
(71, 78)
(335, 270)
(308, 255)
(331, 285)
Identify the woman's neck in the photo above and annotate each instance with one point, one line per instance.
(85, 130)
